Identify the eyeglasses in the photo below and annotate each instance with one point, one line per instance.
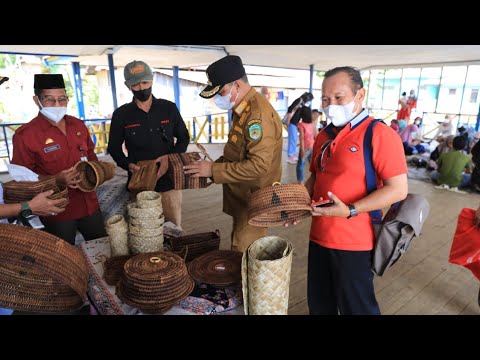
(323, 159)
(50, 101)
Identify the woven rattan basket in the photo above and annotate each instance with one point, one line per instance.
(108, 170)
(91, 175)
(20, 191)
(149, 199)
(266, 268)
(40, 272)
(113, 268)
(154, 282)
(197, 244)
(277, 204)
(60, 192)
(180, 180)
(220, 268)
(144, 179)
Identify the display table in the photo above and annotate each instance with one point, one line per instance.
(204, 300)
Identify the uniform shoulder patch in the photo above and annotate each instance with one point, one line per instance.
(255, 131)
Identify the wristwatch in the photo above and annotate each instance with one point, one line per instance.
(25, 211)
(353, 211)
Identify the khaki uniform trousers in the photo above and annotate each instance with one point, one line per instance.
(244, 234)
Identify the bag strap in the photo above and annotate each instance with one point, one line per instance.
(376, 215)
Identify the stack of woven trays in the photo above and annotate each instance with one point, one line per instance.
(146, 223)
(154, 282)
(144, 179)
(117, 230)
(20, 191)
(40, 272)
(220, 268)
(278, 204)
(266, 269)
(195, 244)
(93, 174)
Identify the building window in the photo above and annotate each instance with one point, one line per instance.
(474, 96)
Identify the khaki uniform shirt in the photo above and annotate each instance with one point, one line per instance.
(252, 157)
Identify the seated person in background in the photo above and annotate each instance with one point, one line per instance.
(415, 148)
(401, 125)
(394, 125)
(445, 129)
(451, 166)
(444, 146)
(409, 133)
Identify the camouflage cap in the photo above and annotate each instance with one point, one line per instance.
(137, 71)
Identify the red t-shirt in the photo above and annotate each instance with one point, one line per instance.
(344, 176)
(44, 149)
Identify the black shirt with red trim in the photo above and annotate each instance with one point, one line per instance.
(147, 136)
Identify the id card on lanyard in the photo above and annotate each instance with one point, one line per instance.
(82, 154)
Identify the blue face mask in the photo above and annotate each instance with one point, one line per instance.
(223, 102)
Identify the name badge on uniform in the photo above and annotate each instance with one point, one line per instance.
(51, 148)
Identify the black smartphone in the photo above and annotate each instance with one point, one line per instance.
(323, 203)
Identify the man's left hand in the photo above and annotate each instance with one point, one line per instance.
(338, 209)
(200, 168)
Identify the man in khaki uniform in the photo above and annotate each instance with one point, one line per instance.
(253, 154)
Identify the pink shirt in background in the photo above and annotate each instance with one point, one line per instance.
(407, 133)
(308, 137)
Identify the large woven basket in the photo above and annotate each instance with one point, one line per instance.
(20, 191)
(278, 204)
(144, 179)
(113, 268)
(91, 175)
(40, 272)
(154, 282)
(220, 268)
(266, 268)
(197, 244)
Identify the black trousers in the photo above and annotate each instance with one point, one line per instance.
(340, 282)
(91, 227)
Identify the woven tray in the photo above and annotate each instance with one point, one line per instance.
(20, 191)
(40, 272)
(277, 204)
(220, 268)
(145, 179)
(154, 282)
(197, 244)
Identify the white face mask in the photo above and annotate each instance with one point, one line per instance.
(54, 113)
(340, 115)
(223, 102)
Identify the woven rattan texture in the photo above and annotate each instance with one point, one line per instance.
(176, 162)
(279, 204)
(266, 268)
(40, 272)
(220, 268)
(145, 178)
(91, 175)
(153, 282)
(197, 244)
(20, 191)
(113, 268)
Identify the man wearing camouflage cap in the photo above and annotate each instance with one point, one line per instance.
(151, 128)
(252, 156)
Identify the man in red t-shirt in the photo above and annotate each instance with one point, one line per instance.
(341, 237)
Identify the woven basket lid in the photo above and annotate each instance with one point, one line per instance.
(220, 268)
(153, 282)
(40, 272)
(278, 204)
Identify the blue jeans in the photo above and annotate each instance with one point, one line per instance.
(301, 164)
(465, 179)
(292, 139)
